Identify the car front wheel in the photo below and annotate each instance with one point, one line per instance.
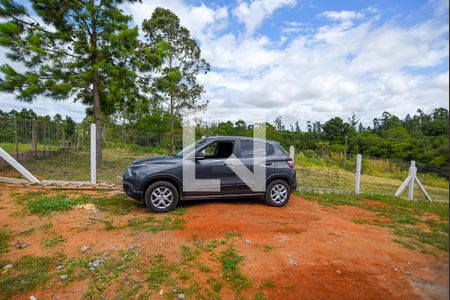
(277, 193)
(161, 196)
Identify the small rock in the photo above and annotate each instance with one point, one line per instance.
(396, 270)
(161, 291)
(33, 297)
(181, 296)
(60, 267)
(63, 277)
(94, 264)
(85, 249)
(338, 272)
(292, 261)
(248, 242)
(134, 246)
(7, 267)
(22, 245)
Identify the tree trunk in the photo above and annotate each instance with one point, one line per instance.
(98, 117)
(95, 91)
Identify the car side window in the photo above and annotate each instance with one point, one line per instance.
(218, 150)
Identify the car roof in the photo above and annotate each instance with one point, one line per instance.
(230, 137)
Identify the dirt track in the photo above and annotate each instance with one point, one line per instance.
(315, 252)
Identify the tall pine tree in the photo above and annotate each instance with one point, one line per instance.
(71, 48)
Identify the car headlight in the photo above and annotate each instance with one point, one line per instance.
(133, 170)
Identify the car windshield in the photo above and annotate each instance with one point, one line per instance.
(191, 147)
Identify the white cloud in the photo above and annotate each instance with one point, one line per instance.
(343, 15)
(356, 63)
(253, 13)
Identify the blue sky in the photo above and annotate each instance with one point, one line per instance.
(308, 60)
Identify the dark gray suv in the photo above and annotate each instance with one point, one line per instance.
(158, 181)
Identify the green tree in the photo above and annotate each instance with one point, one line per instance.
(81, 49)
(176, 83)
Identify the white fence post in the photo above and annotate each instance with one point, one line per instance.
(93, 154)
(292, 153)
(409, 181)
(412, 173)
(358, 174)
(9, 159)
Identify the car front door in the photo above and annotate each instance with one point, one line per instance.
(213, 166)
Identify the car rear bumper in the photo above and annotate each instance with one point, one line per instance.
(131, 191)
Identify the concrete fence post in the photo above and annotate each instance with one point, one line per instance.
(412, 174)
(93, 154)
(292, 153)
(358, 174)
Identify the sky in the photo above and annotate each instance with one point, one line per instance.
(306, 60)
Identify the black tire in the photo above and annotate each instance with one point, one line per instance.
(283, 197)
(162, 186)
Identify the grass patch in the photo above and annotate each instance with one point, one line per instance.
(259, 296)
(406, 218)
(53, 242)
(179, 211)
(27, 273)
(204, 268)
(267, 248)
(159, 273)
(153, 224)
(45, 205)
(188, 254)
(215, 284)
(269, 284)
(231, 272)
(46, 202)
(5, 236)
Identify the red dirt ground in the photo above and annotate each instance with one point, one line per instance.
(316, 252)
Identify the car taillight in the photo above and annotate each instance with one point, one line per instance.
(290, 163)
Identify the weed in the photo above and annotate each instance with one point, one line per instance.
(204, 268)
(54, 241)
(267, 248)
(210, 246)
(179, 211)
(215, 284)
(188, 254)
(231, 234)
(259, 296)
(230, 260)
(269, 284)
(5, 236)
(184, 274)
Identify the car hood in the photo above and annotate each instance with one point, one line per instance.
(156, 160)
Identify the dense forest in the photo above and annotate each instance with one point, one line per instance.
(421, 137)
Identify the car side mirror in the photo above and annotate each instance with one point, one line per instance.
(199, 156)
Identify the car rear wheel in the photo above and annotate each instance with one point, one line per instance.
(161, 196)
(277, 193)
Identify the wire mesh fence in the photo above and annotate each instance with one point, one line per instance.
(60, 150)
(57, 150)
